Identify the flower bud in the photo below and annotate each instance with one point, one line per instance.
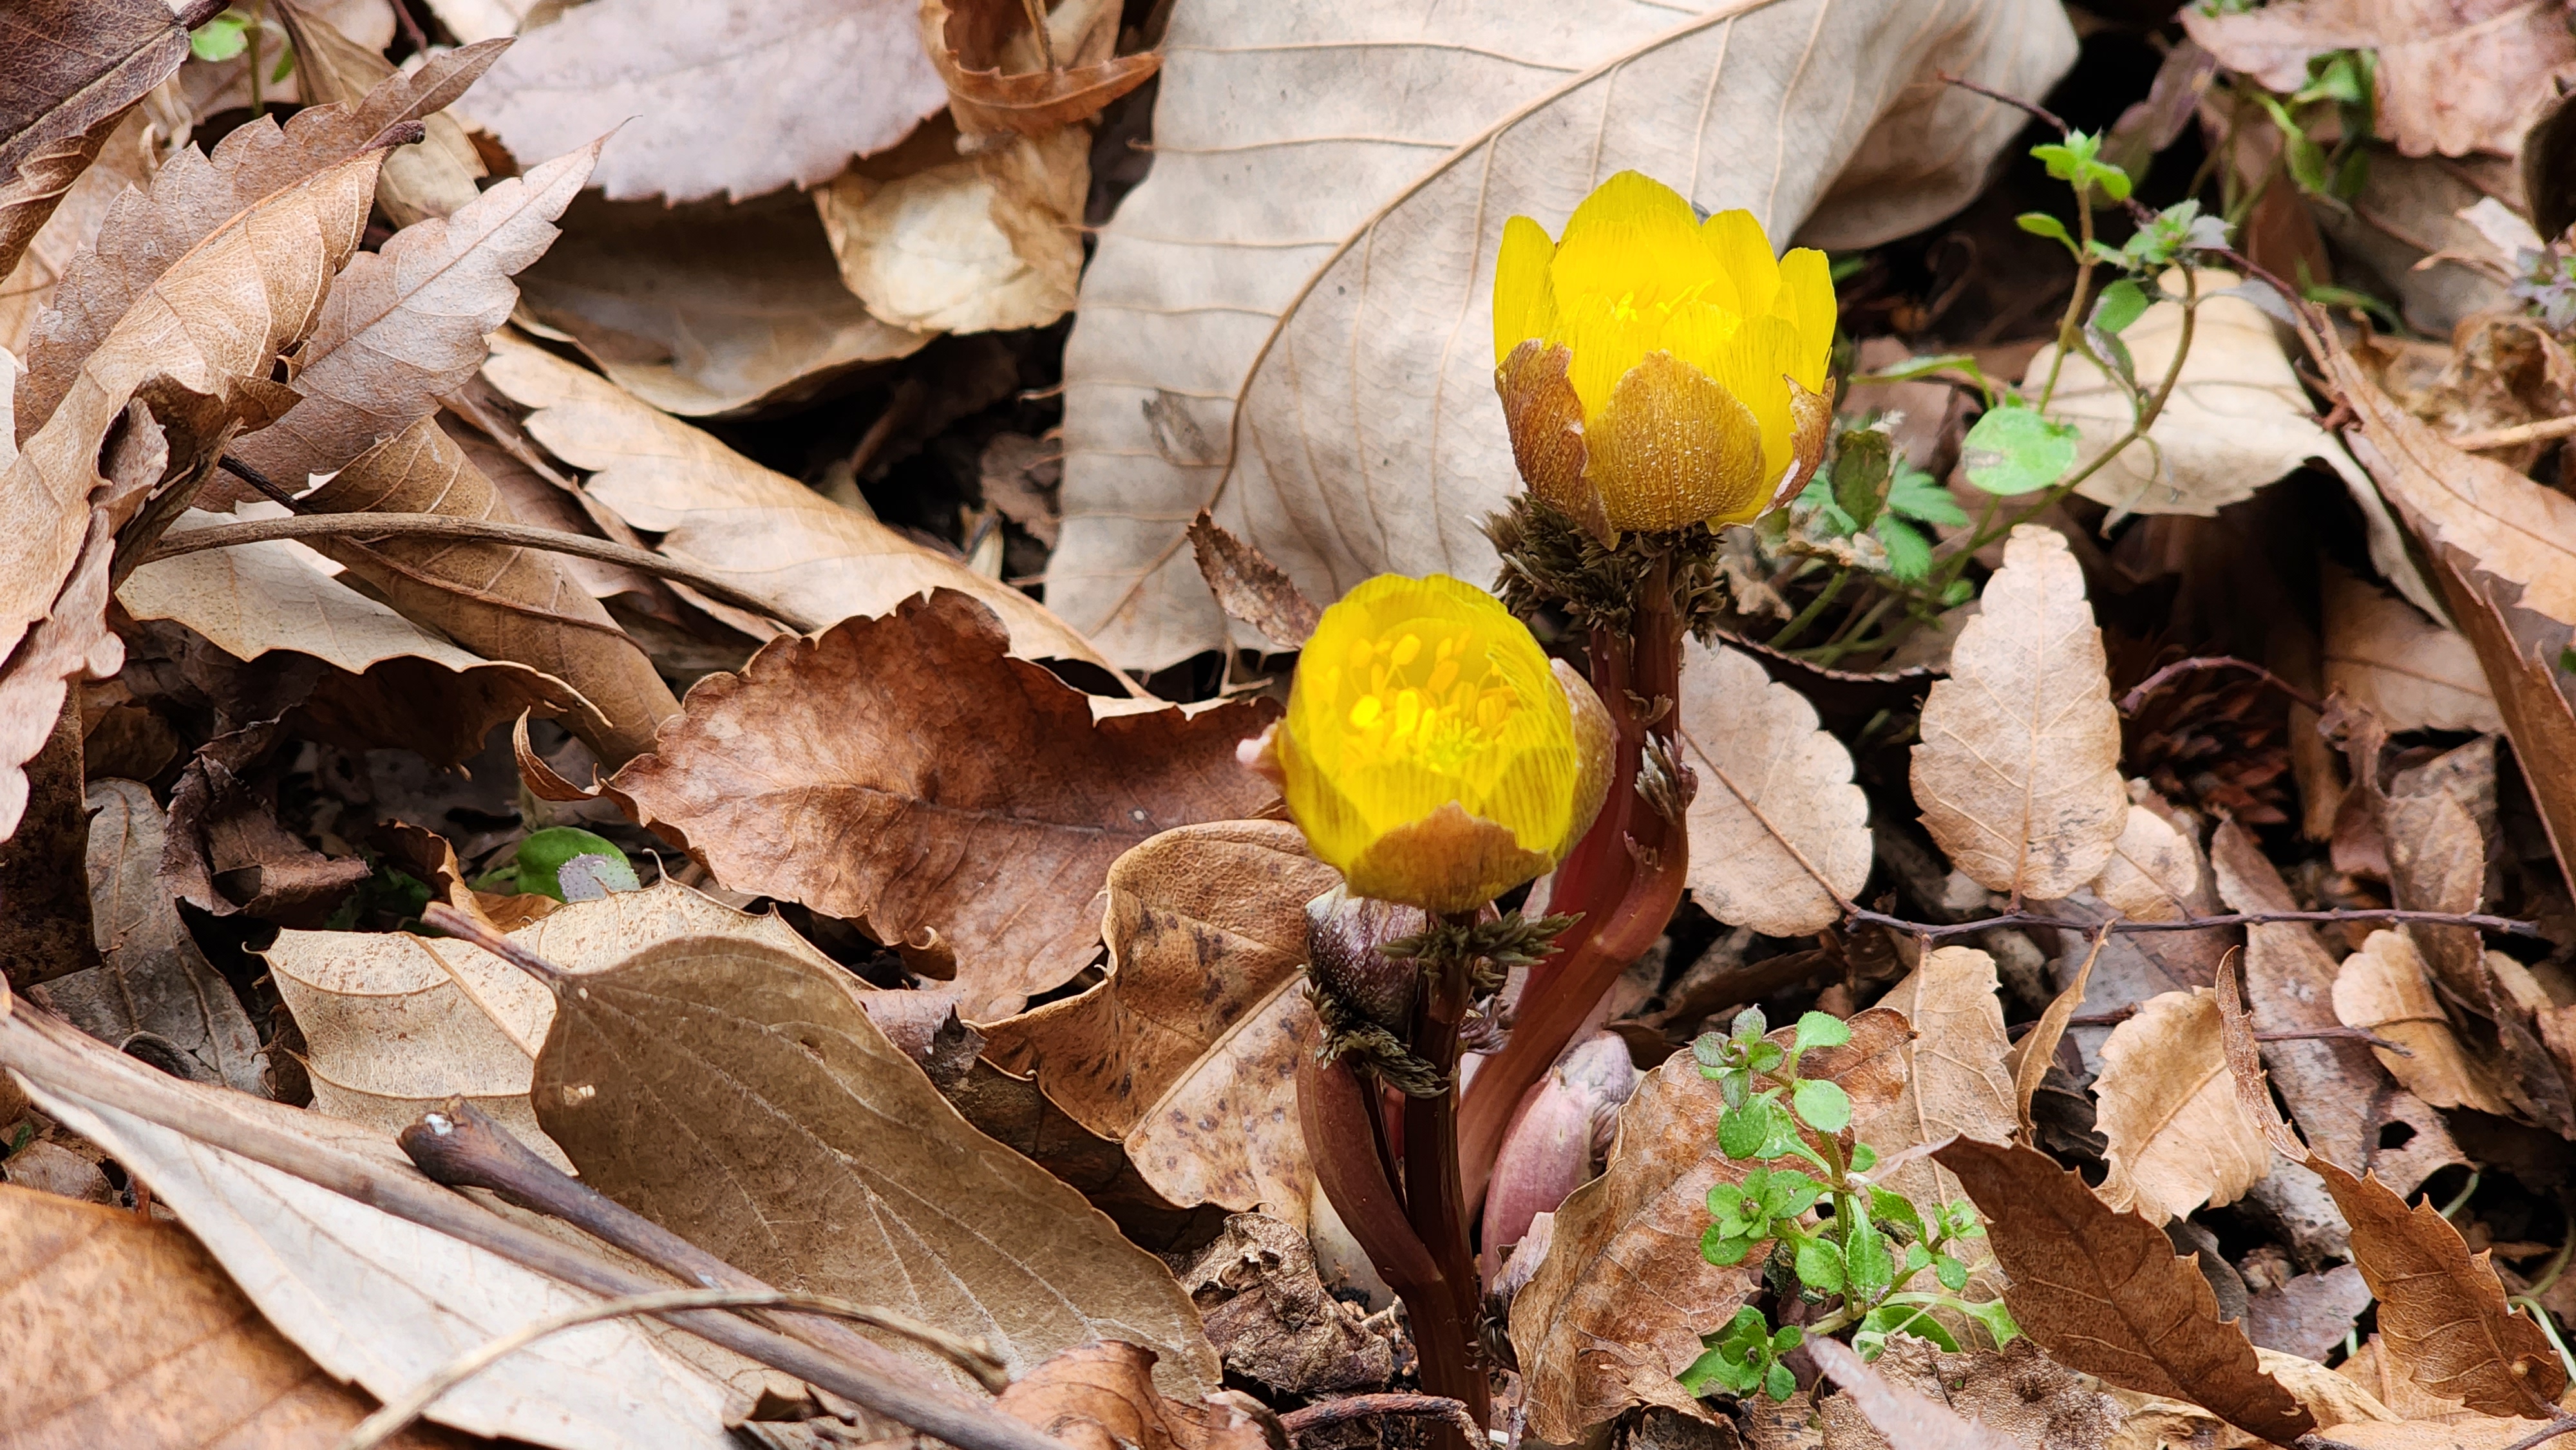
(1346, 939)
(1655, 370)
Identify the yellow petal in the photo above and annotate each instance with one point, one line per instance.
(1755, 367)
(1634, 242)
(1450, 860)
(1673, 447)
(1743, 255)
(1520, 282)
(1807, 299)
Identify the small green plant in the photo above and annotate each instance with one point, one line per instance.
(1830, 1237)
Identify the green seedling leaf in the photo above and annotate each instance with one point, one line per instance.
(571, 864)
(1952, 1274)
(1722, 1250)
(1710, 1050)
(2013, 450)
(1914, 1319)
(1919, 496)
(1872, 1269)
(2121, 303)
(1909, 554)
(1778, 1383)
(1896, 1211)
(1821, 1029)
(1996, 1318)
(1820, 1265)
(1863, 1158)
(1765, 1056)
(1863, 462)
(221, 38)
(1749, 1025)
(2041, 224)
(1743, 1129)
(1788, 1193)
(1822, 1105)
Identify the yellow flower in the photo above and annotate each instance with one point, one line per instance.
(1657, 370)
(1431, 752)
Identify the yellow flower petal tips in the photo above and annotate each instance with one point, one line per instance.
(1658, 371)
(1430, 751)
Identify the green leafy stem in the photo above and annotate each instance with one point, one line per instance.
(1831, 1238)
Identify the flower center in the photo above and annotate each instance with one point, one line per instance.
(1436, 705)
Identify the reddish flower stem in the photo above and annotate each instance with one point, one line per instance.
(1625, 876)
(1436, 1201)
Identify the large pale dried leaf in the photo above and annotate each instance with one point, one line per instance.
(1774, 787)
(432, 179)
(73, 68)
(2103, 1292)
(1617, 1307)
(125, 158)
(2384, 989)
(405, 325)
(2017, 1393)
(154, 994)
(499, 600)
(2237, 420)
(2408, 670)
(1106, 1397)
(930, 250)
(372, 1298)
(1299, 293)
(255, 599)
(906, 773)
(1188, 1048)
(741, 97)
(2451, 77)
(125, 1333)
(2154, 1422)
(1957, 1081)
(2177, 1137)
(193, 197)
(737, 1095)
(2153, 871)
(2443, 1318)
(395, 1023)
(199, 341)
(2018, 775)
(2339, 1094)
(721, 511)
(709, 309)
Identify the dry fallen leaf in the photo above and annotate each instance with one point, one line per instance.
(2341, 1097)
(738, 1096)
(2408, 670)
(2178, 1139)
(997, 73)
(720, 511)
(395, 1024)
(2451, 78)
(499, 600)
(1333, 352)
(372, 1298)
(979, 245)
(1617, 1307)
(126, 1334)
(739, 98)
(1906, 1417)
(431, 179)
(154, 995)
(125, 158)
(2018, 774)
(194, 197)
(1776, 806)
(75, 68)
(392, 681)
(1956, 1081)
(2016, 1392)
(1107, 1396)
(1188, 1048)
(2237, 420)
(405, 324)
(906, 773)
(2309, 1314)
(201, 338)
(1269, 1315)
(1250, 588)
(2103, 1292)
(708, 309)
(2443, 1317)
(2154, 870)
(2384, 989)
(2154, 1422)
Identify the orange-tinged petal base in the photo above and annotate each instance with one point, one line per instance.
(1811, 418)
(1546, 423)
(1446, 861)
(1672, 448)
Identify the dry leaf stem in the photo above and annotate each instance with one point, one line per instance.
(1327, 1413)
(1625, 877)
(50, 1052)
(445, 526)
(1936, 931)
(395, 1415)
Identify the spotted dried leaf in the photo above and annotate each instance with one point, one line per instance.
(1776, 807)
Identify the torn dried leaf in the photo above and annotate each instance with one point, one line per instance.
(1776, 808)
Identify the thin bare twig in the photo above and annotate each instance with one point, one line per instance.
(2038, 112)
(1362, 1407)
(1935, 931)
(489, 531)
(2130, 702)
(2118, 1015)
(2515, 436)
(2545, 1433)
(388, 1421)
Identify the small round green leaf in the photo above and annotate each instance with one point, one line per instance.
(1822, 1105)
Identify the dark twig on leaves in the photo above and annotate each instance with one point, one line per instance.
(2118, 1015)
(1363, 1407)
(2130, 702)
(2545, 1433)
(2038, 112)
(1935, 931)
